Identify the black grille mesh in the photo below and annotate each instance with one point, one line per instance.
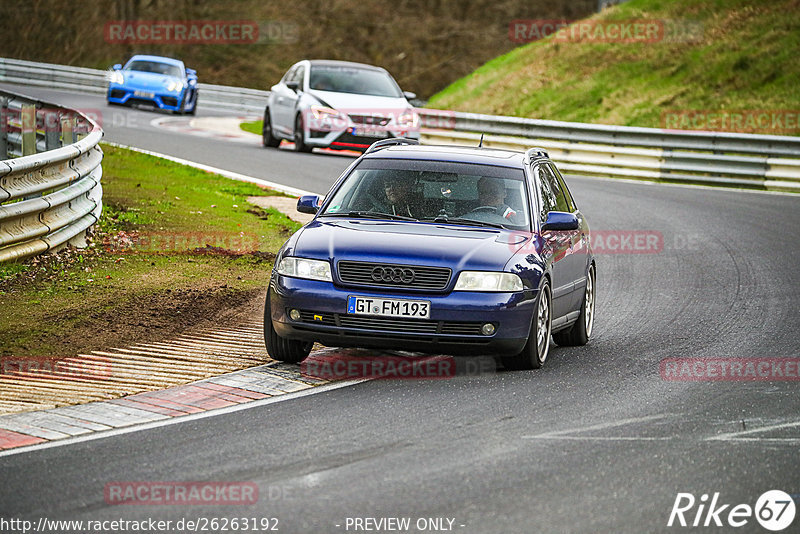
(361, 274)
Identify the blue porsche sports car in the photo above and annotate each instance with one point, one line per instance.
(438, 249)
(154, 81)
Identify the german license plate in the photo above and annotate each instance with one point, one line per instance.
(143, 94)
(416, 309)
(369, 132)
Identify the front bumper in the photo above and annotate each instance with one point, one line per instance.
(453, 327)
(345, 139)
(119, 94)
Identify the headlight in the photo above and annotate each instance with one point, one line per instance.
(116, 77)
(409, 119)
(174, 85)
(305, 268)
(323, 112)
(486, 281)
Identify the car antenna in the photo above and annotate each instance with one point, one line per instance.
(480, 144)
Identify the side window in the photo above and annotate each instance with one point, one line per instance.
(545, 193)
(289, 76)
(564, 188)
(557, 189)
(299, 76)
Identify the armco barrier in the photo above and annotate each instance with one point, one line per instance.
(50, 193)
(739, 160)
(731, 159)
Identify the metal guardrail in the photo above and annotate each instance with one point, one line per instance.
(758, 161)
(96, 81)
(50, 192)
(742, 160)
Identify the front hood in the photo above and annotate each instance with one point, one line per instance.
(147, 80)
(458, 248)
(354, 104)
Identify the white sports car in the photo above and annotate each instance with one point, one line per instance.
(339, 105)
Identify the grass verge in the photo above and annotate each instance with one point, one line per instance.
(252, 126)
(715, 57)
(175, 247)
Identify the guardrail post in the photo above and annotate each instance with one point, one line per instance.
(67, 131)
(3, 128)
(52, 129)
(27, 120)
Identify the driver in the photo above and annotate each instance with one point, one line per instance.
(491, 195)
(399, 195)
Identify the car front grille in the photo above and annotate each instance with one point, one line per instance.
(117, 93)
(358, 273)
(169, 100)
(394, 325)
(373, 120)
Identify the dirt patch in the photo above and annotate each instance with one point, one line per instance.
(285, 205)
(162, 315)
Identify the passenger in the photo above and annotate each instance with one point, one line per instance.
(491, 198)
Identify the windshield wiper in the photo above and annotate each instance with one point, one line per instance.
(458, 220)
(370, 215)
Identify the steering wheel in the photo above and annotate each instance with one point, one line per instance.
(377, 205)
(490, 209)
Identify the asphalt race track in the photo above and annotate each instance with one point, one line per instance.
(597, 441)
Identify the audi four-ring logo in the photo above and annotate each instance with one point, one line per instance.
(393, 274)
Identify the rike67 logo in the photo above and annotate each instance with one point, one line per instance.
(774, 510)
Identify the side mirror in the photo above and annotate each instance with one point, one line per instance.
(409, 95)
(560, 220)
(191, 72)
(117, 66)
(309, 204)
(294, 86)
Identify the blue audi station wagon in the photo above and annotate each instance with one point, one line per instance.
(437, 249)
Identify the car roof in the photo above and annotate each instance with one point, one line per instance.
(159, 59)
(337, 63)
(456, 154)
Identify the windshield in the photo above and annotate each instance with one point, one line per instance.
(155, 67)
(475, 195)
(353, 80)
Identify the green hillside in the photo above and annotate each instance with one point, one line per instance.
(715, 56)
(425, 44)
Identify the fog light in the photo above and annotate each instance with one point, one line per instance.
(487, 329)
(294, 315)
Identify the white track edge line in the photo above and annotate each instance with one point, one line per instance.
(228, 174)
(101, 434)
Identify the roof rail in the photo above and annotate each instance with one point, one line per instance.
(383, 143)
(535, 153)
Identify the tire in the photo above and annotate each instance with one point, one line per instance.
(268, 139)
(535, 351)
(299, 137)
(194, 107)
(580, 332)
(281, 349)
